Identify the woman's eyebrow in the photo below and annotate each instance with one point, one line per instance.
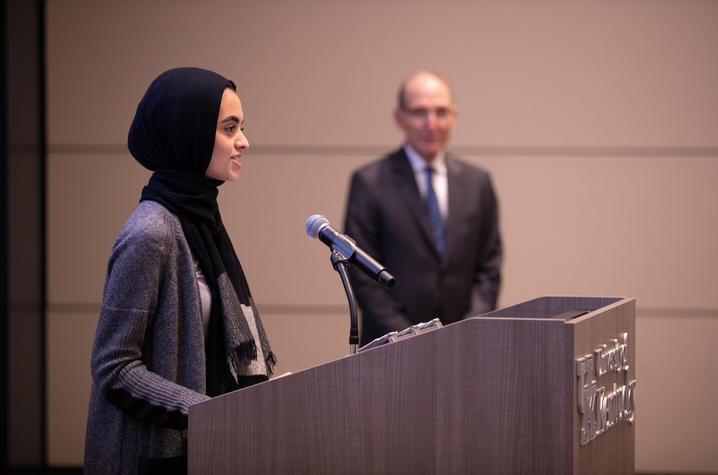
(231, 118)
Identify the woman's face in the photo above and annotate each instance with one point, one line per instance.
(229, 140)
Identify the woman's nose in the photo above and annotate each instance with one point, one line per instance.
(241, 143)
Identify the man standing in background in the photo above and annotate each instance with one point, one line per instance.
(427, 216)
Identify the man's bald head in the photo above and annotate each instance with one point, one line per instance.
(426, 113)
(418, 79)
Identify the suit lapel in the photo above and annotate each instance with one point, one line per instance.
(405, 182)
(457, 200)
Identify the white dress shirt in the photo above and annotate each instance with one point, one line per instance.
(439, 179)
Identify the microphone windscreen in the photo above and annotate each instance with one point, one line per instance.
(314, 224)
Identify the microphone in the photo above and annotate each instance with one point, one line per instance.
(318, 228)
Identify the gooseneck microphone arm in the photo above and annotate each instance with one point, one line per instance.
(344, 252)
(339, 264)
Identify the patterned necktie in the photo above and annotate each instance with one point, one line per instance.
(432, 206)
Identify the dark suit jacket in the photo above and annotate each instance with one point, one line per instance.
(388, 219)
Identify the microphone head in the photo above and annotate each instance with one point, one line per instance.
(314, 224)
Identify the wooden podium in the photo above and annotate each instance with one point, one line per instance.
(546, 386)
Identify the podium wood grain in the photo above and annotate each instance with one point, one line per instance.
(490, 394)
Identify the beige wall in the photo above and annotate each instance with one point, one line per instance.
(598, 121)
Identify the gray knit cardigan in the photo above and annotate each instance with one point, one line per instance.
(148, 358)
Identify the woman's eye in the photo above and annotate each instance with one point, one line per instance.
(230, 129)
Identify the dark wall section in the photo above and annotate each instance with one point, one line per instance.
(3, 247)
(23, 231)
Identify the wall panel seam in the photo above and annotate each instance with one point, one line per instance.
(470, 150)
(332, 309)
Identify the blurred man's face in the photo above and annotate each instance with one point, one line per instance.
(427, 116)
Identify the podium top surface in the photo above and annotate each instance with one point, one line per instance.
(553, 307)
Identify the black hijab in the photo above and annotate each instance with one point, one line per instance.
(172, 135)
